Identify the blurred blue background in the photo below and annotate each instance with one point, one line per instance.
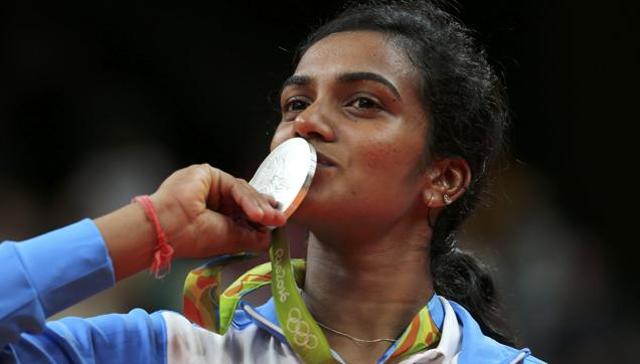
(100, 102)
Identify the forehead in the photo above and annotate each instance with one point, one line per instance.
(358, 51)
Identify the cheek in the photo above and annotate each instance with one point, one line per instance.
(379, 155)
(392, 161)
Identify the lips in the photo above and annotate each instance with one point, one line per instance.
(324, 161)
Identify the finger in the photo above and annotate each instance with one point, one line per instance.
(270, 200)
(278, 219)
(272, 216)
(266, 205)
(220, 184)
(257, 207)
(249, 201)
(226, 189)
(232, 236)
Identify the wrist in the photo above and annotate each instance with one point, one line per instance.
(163, 252)
(170, 217)
(129, 238)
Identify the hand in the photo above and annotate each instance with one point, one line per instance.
(205, 211)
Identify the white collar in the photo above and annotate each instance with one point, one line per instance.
(445, 353)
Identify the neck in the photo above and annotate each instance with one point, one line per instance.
(370, 293)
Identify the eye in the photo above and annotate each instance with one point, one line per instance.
(365, 107)
(365, 103)
(294, 105)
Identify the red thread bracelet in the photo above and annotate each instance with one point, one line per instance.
(161, 264)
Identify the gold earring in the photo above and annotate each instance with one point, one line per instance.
(446, 198)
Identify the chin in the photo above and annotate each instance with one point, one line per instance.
(302, 215)
(311, 216)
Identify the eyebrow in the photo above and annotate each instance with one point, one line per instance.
(369, 76)
(296, 80)
(349, 77)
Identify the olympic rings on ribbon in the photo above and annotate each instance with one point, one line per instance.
(301, 330)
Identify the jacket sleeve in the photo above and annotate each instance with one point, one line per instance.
(136, 337)
(46, 274)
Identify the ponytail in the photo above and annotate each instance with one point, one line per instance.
(459, 276)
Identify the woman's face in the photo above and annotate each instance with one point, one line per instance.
(354, 96)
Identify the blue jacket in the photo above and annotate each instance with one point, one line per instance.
(46, 274)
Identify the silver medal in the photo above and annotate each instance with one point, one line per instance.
(286, 174)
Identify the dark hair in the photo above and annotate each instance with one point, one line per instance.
(466, 105)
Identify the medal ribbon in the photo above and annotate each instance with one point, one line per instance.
(301, 330)
(205, 306)
(201, 302)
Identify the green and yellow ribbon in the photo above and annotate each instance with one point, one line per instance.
(207, 306)
(301, 330)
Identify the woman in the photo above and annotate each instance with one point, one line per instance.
(406, 116)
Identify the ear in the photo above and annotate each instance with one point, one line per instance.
(445, 181)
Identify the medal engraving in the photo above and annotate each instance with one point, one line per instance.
(271, 182)
(286, 174)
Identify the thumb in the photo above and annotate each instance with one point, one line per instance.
(231, 236)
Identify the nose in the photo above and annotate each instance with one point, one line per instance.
(313, 123)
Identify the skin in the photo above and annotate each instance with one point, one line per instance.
(203, 211)
(355, 97)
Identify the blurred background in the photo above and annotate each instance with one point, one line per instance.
(99, 102)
